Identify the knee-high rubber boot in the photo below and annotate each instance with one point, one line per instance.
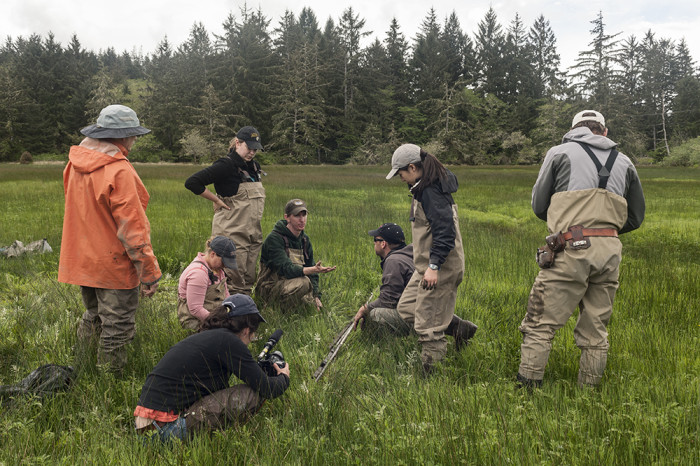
(461, 330)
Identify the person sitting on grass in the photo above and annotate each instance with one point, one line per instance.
(202, 285)
(188, 390)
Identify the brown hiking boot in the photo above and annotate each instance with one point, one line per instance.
(461, 330)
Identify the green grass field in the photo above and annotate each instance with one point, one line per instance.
(373, 406)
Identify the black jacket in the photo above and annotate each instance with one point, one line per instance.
(202, 364)
(437, 201)
(226, 174)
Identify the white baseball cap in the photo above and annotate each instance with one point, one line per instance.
(588, 115)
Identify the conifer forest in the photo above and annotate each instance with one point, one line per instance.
(328, 94)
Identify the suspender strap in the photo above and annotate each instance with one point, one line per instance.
(603, 171)
(212, 278)
(286, 242)
(304, 245)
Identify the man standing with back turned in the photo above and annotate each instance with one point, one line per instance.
(106, 242)
(587, 192)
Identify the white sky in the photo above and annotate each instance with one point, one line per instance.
(141, 24)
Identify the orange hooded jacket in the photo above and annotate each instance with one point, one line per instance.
(106, 241)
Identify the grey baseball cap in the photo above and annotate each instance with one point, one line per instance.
(114, 122)
(588, 115)
(241, 305)
(404, 155)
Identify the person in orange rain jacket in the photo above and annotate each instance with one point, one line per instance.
(106, 243)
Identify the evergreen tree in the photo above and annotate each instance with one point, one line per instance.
(299, 114)
(520, 82)
(630, 62)
(594, 74)
(490, 45)
(683, 63)
(396, 48)
(457, 49)
(686, 108)
(245, 69)
(376, 102)
(15, 108)
(657, 87)
(429, 68)
(81, 66)
(546, 63)
(350, 30)
(338, 133)
(163, 105)
(627, 94)
(36, 69)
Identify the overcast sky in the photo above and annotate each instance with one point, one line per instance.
(142, 24)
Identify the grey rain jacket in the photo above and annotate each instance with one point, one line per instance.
(568, 168)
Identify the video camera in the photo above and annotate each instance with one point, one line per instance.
(266, 360)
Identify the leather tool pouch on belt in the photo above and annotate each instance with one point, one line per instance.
(545, 256)
(578, 241)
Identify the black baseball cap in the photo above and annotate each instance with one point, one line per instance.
(224, 248)
(241, 305)
(251, 137)
(390, 232)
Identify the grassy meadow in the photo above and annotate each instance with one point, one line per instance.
(373, 406)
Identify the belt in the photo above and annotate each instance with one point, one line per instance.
(609, 232)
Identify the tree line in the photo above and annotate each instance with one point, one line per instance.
(318, 95)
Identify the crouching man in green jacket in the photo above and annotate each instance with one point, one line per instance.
(288, 273)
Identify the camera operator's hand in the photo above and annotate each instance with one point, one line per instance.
(282, 370)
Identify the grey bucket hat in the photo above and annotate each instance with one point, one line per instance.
(114, 122)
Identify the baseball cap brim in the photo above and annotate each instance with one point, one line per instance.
(392, 173)
(297, 210)
(229, 262)
(255, 145)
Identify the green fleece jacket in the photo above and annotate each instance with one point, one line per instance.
(274, 255)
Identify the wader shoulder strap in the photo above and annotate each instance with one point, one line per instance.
(603, 171)
(304, 245)
(212, 277)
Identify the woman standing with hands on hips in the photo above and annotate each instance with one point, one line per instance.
(238, 204)
(428, 302)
